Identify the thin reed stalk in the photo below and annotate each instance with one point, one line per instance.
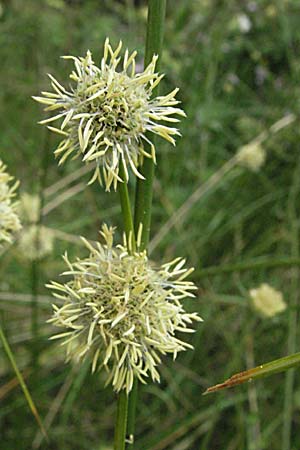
(293, 315)
(35, 265)
(144, 188)
(122, 403)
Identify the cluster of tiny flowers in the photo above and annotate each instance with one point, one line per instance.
(35, 241)
(9, 220)
(252, 156)
(122, 311)
(267, 300)
(106, 114)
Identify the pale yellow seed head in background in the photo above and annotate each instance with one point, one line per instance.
(267, 300)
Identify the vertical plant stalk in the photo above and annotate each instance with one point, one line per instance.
(293, 314)
(122, 403)
(35, 265)
(121, 421)
(143, 198)
(144, 188)
(126, 208)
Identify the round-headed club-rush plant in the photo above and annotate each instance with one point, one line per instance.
(122, 311)
(9, 220)
(107, 111)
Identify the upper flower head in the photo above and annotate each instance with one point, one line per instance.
(122, 311)
(106, 113)
(9, 220)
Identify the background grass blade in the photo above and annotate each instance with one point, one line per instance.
(264, 370)
(22, 382)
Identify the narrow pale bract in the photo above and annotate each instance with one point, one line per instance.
(9, 220)
(107, 112)
(122, 311)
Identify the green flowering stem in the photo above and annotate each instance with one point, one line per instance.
(292, 214)
(36, 265)
(34, 315)
(264, 370)
(144, 188)
(122, 405)
(121, 421)
(143, 199)
(126, 208)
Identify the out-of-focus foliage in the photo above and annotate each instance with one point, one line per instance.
(237, 64)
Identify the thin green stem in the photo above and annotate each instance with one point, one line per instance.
(144, 188)
(121, 421)
(122, 404)
(34, 316)
(36, 264)
(293, 315)
(126, 208)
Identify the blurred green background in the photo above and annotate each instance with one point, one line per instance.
(237, 64)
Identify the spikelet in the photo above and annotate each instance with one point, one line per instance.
(122, 311)
(105, 115)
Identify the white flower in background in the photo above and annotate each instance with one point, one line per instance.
(267, 300)
(9, 220)
(122, 311)
(106, 114)
(36, 242)
(244, 23)
(251, 156)
(29, 207)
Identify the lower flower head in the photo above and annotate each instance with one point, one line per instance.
(122, 311)
(106, 113)
(9, 220)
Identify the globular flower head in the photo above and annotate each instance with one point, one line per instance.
(267, 300)
(251, 156)
(122, 311)
(107, 112)
(9, 220)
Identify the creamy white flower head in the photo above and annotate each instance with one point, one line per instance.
(252, 156)
(106, 114)
(267, 300)
(36, 242)
(9, 220)
(29, 207)
(122, 311)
